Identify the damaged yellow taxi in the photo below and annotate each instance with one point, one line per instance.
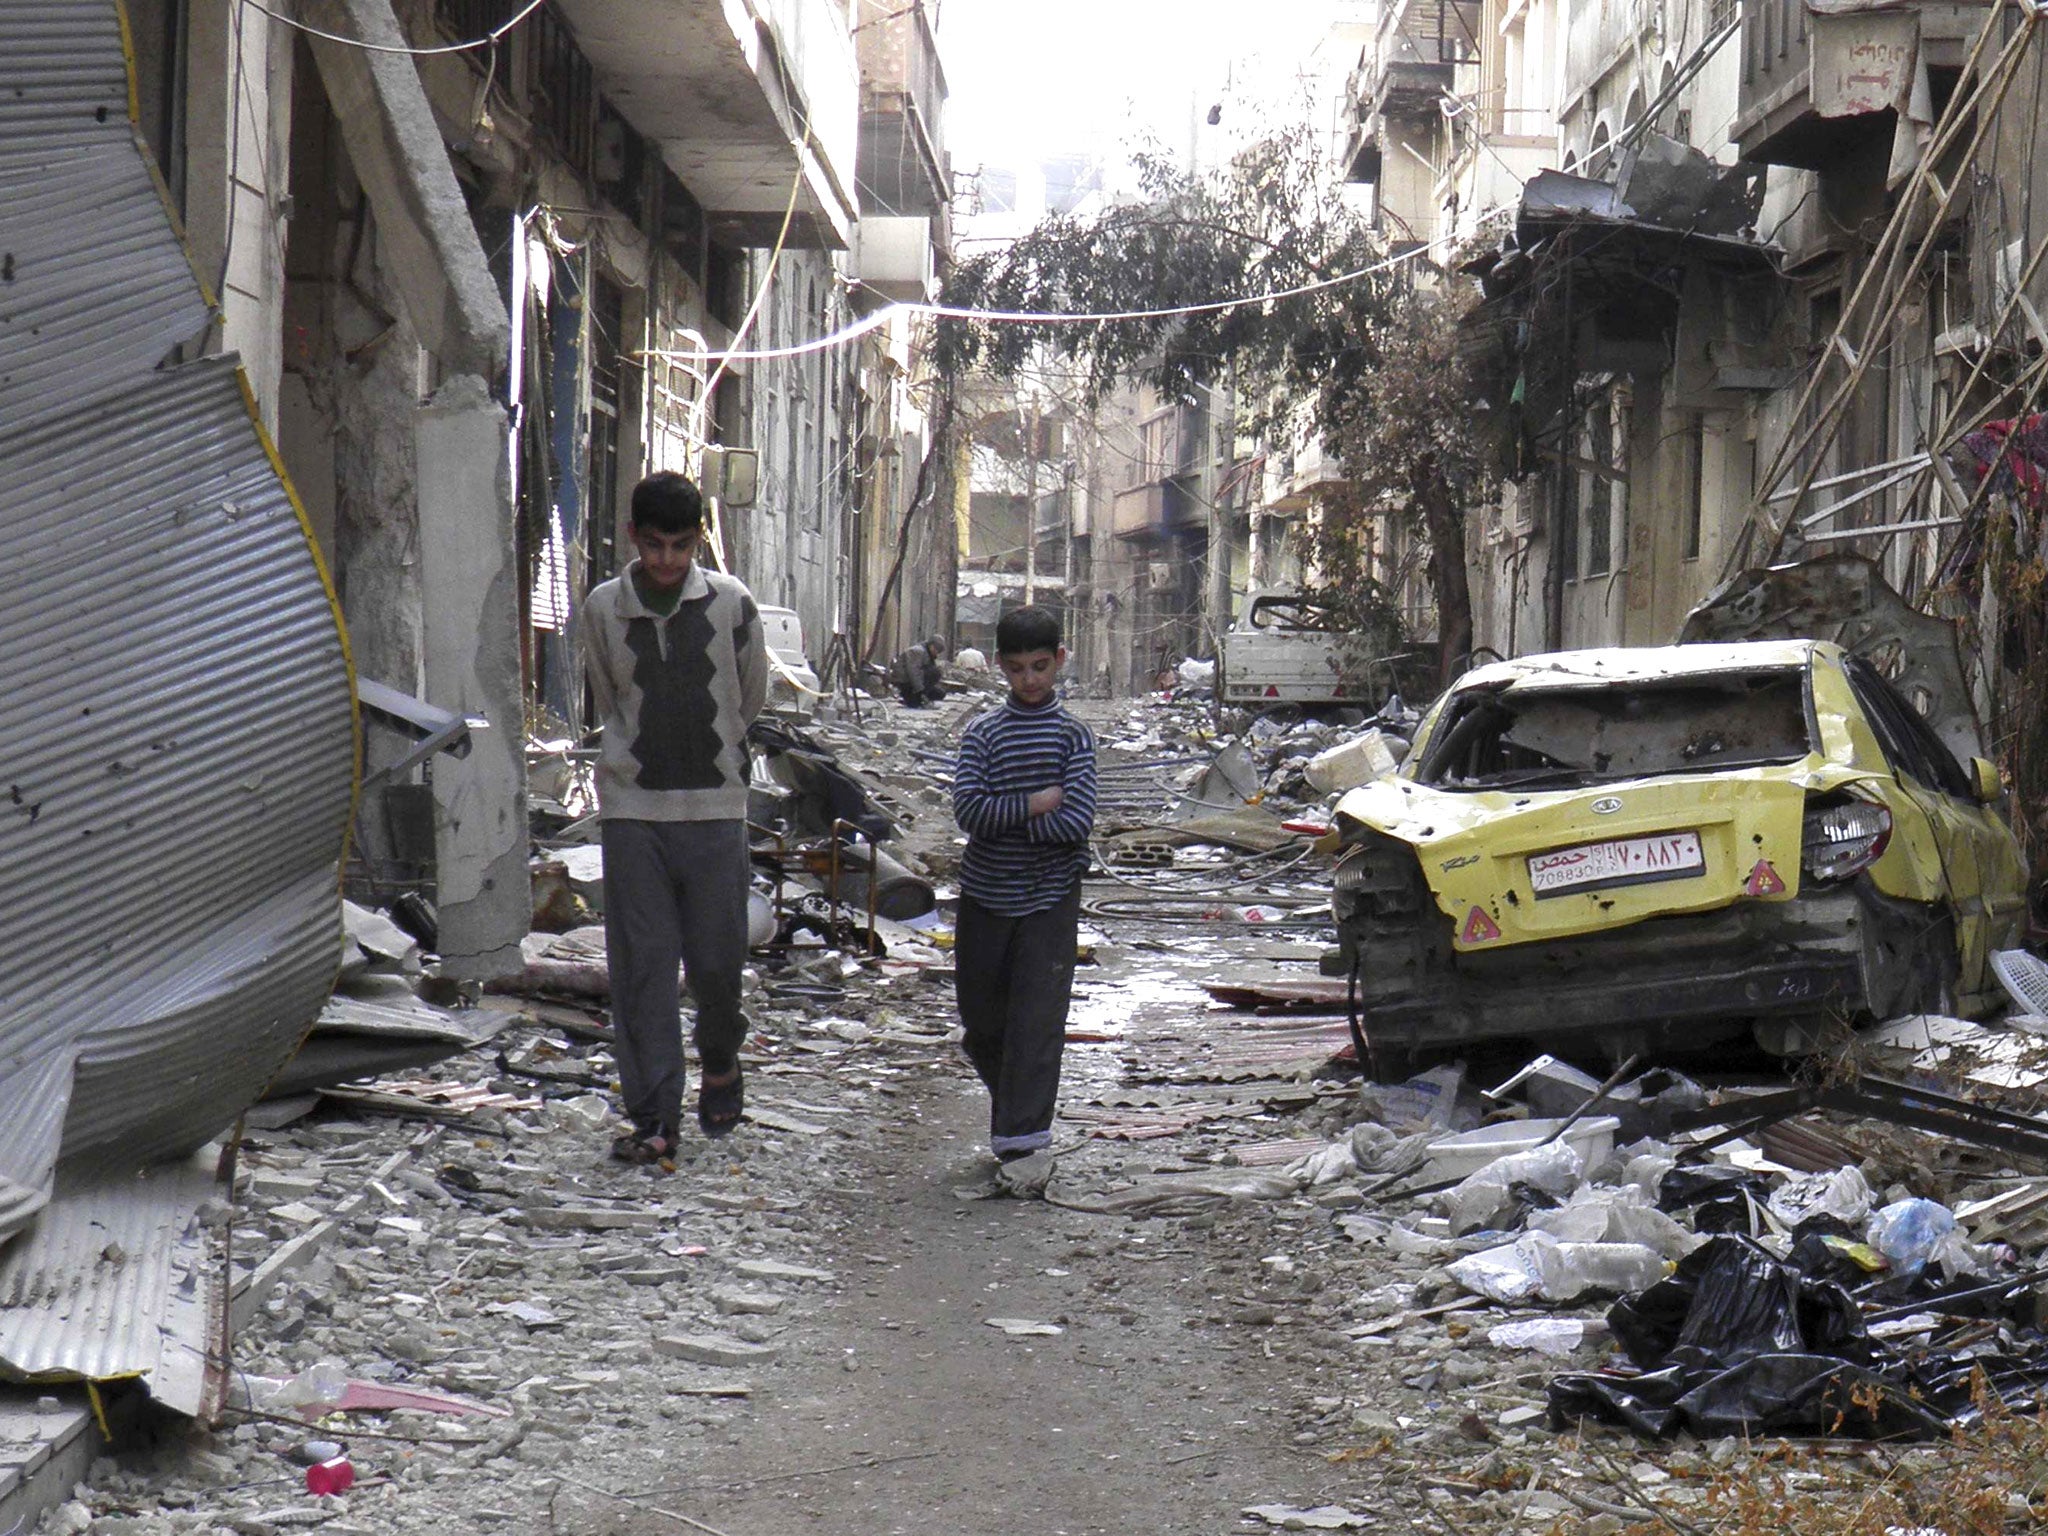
(1659, 847)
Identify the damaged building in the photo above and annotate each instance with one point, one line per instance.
(1747, 282)
(484, 275)
(349, 330)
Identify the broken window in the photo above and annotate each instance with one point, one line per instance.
(1603, 480)
(1562, 736)
(1909, 742)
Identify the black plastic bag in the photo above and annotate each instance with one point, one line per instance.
(1783, 1394)
(1729, 1299)
(1719, 1197)
(1737, 1340)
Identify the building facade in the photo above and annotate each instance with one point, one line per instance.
(480, 290)
(1744, 279)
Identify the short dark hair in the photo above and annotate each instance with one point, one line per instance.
(667, 502)
(1023, 630)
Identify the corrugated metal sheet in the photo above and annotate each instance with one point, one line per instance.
(112, 1281)
(174, 689)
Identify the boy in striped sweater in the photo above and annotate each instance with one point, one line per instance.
(1024, 793)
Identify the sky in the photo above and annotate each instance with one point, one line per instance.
(1037, 77)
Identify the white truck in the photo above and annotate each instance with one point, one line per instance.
(1283, 651)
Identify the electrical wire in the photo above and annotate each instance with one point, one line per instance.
(726, 358)
(1198, 881)
(485, 41)
(1201, 909)
(882, 317)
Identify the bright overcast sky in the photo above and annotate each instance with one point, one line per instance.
(1051, 76)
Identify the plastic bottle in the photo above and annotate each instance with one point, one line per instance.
(1566, 1271)
(319, 1385)
(336, 1475)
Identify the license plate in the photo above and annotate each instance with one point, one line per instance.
(1625, 861)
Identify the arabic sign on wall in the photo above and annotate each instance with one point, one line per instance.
(1864, 62)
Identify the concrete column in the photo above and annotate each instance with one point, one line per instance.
(467, 567)
(395, 146)
(469, 571)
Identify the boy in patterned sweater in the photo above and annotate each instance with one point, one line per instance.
(1024, 793)
(678, 668)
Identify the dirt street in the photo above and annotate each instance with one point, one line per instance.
(903, 1410)
(830, 1322)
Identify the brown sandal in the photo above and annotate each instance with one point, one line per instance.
(721, 1106)
(641, 1150)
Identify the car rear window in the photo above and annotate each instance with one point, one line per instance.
(1560, 736)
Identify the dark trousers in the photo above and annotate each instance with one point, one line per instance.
(1014, 977)
(674, 892)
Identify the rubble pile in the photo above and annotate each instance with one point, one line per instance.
(1559, 1300)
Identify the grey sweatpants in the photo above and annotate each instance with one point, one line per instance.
(1014, 980)
(674, 891)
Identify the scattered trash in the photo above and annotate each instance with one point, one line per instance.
(1025, 1328)
(1910, 1232)
(1546, 1335)
(1735, 1342)
(1615, 1215)
(336, 1475)
(1842, 1197)
(1364, 757)
(1495, 1189)
(1536, 1266)
(1428, 1099)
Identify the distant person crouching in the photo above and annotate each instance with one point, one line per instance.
(916, 673)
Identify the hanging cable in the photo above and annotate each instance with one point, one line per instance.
(485, 41)
(882, 317)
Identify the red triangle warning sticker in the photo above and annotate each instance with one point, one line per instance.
(1764, 880)
(1479, 928)
(1272, 690)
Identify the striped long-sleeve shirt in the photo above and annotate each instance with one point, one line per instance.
(1017, 863)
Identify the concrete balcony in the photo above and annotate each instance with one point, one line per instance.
(896, 258)
(1416, 54)
(903, 164)
(1308, 475)
(1404, 76)
(745, 97)
(1148, 511)
(1824, 90)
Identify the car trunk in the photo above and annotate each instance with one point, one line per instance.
(1612, 802)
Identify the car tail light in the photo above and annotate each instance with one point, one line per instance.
(1844, 838)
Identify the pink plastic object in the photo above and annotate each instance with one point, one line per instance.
(336, 1476)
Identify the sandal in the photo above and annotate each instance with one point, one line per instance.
(721, 1106)
(642, 1148)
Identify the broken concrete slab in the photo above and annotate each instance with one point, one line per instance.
(738, 1303)
(775, 1269)
(587, 1218)
(713, 1349)
(46, 1444)
(371, 941)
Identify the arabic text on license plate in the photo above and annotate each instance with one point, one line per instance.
(1626, 861)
